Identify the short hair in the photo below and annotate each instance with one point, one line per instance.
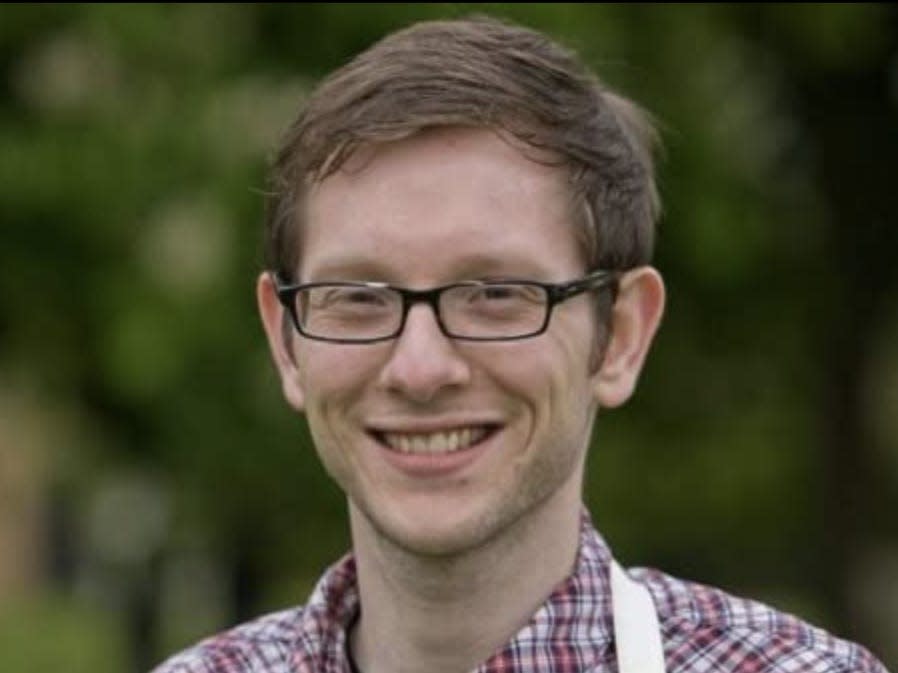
(485, 73)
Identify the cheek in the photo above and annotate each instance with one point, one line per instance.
(568, 386)
(334, 380)
(329, 371)
(548, 375)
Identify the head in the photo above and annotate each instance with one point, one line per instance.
(454, 151)
(480, 73)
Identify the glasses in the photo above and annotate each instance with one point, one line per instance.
(364, 313)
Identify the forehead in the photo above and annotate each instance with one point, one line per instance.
(454, 196)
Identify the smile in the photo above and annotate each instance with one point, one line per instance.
(429, 443)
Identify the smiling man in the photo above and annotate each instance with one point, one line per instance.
(460, 233)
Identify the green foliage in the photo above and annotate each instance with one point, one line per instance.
(73, 638)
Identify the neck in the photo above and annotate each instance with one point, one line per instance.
(445, 614)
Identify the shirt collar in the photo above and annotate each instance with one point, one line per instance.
(574, 624)
(573, 629)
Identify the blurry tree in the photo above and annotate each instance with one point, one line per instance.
(842, 69)
(133, 141)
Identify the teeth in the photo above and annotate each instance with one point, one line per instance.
(434, 442)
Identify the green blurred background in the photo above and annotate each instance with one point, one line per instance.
(155, 488)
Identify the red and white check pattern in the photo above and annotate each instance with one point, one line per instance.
(704, 630)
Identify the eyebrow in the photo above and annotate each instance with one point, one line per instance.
(471, 267)
(349, 268)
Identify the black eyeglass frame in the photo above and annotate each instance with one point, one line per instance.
(556, 293)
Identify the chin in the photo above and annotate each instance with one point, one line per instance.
(442, 532)
(438, 543)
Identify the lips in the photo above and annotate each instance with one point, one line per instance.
(432, 443)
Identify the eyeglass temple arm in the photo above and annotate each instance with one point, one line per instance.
(594, 281)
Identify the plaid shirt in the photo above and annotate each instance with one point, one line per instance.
(703, 630)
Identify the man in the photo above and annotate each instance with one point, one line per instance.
(459, 236)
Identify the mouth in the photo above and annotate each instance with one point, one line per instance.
(435, 443)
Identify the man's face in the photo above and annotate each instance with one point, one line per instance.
(440, 207)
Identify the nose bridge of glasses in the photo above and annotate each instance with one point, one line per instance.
(430, 297)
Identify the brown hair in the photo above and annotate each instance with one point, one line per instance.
(485, 73)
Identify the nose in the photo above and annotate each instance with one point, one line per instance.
(423, 361)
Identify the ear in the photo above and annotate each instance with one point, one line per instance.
(279, 339)
(634, 320)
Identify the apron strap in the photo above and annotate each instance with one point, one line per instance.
(637, 633)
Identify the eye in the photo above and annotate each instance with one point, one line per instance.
(361, 296)
(496, 292)
(357, 297)
(342, 297)
(501, 297)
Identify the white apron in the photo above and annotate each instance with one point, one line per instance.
(637, 633)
